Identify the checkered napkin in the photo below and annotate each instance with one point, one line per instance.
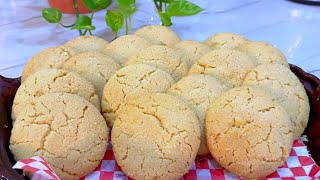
(299, 166)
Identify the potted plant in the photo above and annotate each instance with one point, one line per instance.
(68, 6)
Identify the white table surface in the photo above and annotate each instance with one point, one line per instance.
(293, 28)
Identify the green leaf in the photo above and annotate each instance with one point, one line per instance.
(90, 4)
(114, 20)
(127, 7)
(83, 22)
(182, 8)
(103, 4)
(165, 19)
(52, 15)
(164, 1)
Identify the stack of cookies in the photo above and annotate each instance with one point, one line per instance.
(166, 100)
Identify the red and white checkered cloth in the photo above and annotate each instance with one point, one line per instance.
(299, 166)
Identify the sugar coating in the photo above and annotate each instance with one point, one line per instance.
(225, 40)
(52, 57)
(279, 81)
(122, 48)
(156, 137)
(191, 51)
(158, 35)
(131, 82)
(94, 66)
(199, 91)
(87, 43)
(264, 53)
(53, 80)
(64, 129)
(226, 64)
(248, 132)
(162, 57)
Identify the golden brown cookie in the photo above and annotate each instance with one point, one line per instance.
(156, 137)
(130, 82)
(94, 66)
(280, 82)
(67, 131)
(199, 91)
(162, 57)
(226, 64)
(191, 51)
(225, 40)
(87, 43)
(53, 80)
(248, 132)
(52, 57)
(264, 53)
(122, 48)
(158, 35)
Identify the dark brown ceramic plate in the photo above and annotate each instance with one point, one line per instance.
(8, 88)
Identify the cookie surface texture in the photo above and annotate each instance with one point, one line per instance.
(225, 40)
(87, 43)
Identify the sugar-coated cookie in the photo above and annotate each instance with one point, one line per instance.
(225, 40)
(64, 129)
(87, 43)
(156, 136)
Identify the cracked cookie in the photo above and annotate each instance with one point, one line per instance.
(191, 51)
(94, 66)
(64, 129)
(199, 91)
(158, 35)
(130, 82)
(122, 48)
(87, 43)
(248, 132)
(164, 58)
(264, 53)
(226, 64)
(280, 82)
(156, 137)
(225, 40)
(52, 57)
(49, 81)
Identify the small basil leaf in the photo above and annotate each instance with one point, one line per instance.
(114, 20)
(90, 4)
(165, 19)
(83, 22)
(52, 15)
(103, 4)
(182, 8)
(127, 7)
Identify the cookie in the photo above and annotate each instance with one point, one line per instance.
(122, 48)
(226, 64)
(53, 80)
(279, 81)
(130, 82)
(248, 132)
(95, 67)
(170, 134)
(162, 57)
(225, 40)
(87, 43)
(264, 53)
(199, 91)
(52, 57)
(191, 51)
(67, 131)
(158, 35)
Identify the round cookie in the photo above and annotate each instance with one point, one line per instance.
(122, 48)
(52, 57)
(225, 40)
(158, 35)
(226, 64)
(67, 131)
(199, 91)
(170, 134)
(94, 66)
(130, 82)
(264, 53)
(163, 58)
(279, 81)
(248, 132)
(53, 80)
(191, 51)
(87, 43)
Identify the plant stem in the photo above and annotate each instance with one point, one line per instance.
(160, 6)
(116, 34)
(85, 32)
(66, 26)
(127, 26)
(75, 5)
(157, 5)
(91, 16)
(90, 32)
